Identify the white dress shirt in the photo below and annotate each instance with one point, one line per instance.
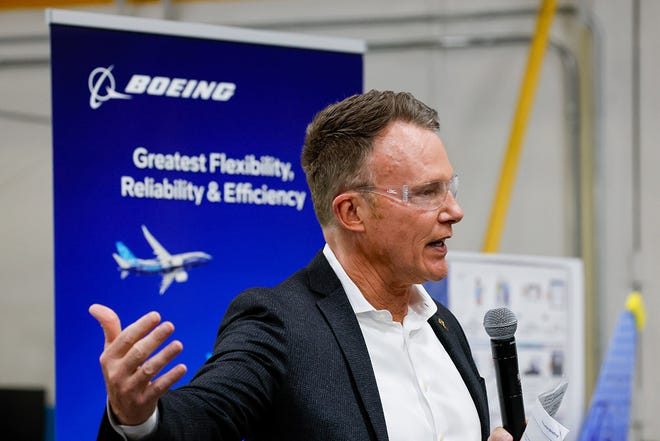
(423, 395)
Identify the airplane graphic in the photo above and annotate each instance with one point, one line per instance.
(171, 266)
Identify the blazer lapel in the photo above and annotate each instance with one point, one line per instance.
(339, 314)
(442, 326)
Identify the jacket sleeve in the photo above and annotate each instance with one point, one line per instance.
(233, 390)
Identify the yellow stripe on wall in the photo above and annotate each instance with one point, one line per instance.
(527, 91)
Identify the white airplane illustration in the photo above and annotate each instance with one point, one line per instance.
(171, 266)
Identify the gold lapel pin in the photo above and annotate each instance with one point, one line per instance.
(442, 323)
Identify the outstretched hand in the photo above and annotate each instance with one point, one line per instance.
(129, 368)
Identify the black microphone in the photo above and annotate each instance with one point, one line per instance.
(501, 324)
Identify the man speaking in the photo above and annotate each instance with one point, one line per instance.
(349, 348)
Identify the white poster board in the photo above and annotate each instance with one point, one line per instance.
(547, 296)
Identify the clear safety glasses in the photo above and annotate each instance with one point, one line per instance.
(427, 196)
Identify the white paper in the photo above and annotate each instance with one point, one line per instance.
(540, 425)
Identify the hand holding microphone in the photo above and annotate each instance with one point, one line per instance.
(501, 324)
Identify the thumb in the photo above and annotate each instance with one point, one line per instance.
(108, 320)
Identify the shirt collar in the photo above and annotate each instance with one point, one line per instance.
(421, 305)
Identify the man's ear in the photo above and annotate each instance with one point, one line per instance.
(349, 209)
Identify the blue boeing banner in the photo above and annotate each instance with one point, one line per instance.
(177, 179)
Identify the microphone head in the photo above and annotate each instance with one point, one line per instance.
(500, 323)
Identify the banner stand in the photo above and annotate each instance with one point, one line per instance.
(176, 176)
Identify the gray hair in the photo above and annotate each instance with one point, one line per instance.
(339, 140)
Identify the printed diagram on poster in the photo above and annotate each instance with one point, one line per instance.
(546, 295)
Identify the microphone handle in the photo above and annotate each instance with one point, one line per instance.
(509, 389)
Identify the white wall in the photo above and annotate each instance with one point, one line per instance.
(475, 91)
(26, 265)
(649, 261)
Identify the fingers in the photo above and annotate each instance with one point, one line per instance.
(499, 434)
(155, 364)
(166, 381)
(131, 348)
(133, 333)
(130, 363)
(123, 341)
(108, 320)
(139, 377)
(146, 345)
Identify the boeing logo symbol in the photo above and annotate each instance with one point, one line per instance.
(102, 87)
(96, 80)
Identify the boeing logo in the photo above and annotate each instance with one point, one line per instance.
(97, 79)
(102, 87)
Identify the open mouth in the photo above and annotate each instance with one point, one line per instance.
(437, 243)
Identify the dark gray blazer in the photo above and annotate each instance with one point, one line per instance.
(290, 363)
